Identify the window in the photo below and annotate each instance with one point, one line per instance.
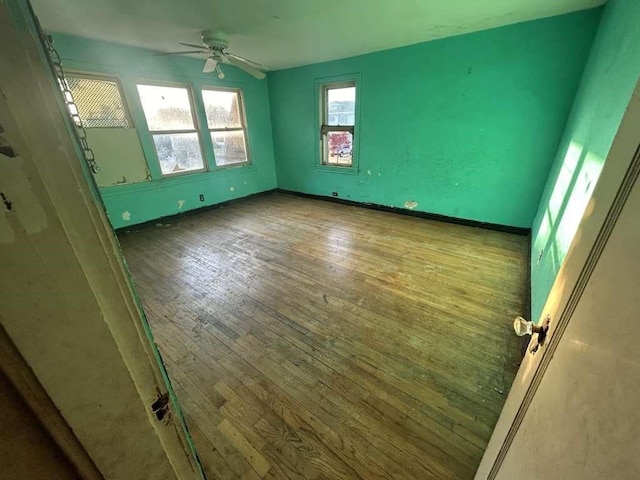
(170, 119)
(99, 102)
(337, 123)
(225, 117)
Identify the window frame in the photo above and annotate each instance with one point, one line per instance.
(108, 78)
(322, 87)
(243, 122)
(197, 128)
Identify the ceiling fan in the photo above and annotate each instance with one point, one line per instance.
(214, 46)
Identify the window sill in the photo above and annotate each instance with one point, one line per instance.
(181, 173)
(352, 170)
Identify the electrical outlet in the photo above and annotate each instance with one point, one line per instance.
(201, 197)
(334, 194)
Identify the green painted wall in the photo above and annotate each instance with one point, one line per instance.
(610, 76)
(140, 202)
(466, 126)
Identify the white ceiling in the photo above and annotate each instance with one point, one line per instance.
(287, 33)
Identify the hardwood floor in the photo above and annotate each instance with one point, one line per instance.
(312, 340)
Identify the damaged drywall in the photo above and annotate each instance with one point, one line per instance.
(20, 208)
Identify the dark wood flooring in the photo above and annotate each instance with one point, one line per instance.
(313, 340)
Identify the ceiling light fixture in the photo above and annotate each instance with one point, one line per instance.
(214, 45)
(220, 72)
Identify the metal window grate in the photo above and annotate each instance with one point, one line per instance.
(99, 102)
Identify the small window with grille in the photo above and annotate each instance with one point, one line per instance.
(99, 101)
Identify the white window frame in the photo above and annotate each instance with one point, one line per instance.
(324, 87)
(243, 124)
(107, 78)
(196, 126)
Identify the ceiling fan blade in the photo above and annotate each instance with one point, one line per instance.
(242, 65)
(193, 45)
(210, 65)
(178, 53)
(257, 65)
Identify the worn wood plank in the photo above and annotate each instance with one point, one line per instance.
(314, 340)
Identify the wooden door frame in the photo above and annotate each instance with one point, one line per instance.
(26, 384)
(620, 171)
(39, 125)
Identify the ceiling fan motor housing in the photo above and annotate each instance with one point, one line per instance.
(215, 40)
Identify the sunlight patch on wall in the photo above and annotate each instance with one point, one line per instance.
(564, 179)
(581, 193)
(544, 233)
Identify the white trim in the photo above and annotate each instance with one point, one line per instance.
(194, 117)
(243, 124)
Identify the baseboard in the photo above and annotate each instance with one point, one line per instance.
(175, 216)
(430, 216)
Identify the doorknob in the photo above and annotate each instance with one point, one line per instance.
(527, 327)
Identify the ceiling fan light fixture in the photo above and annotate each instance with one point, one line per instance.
(214, 45)
(219, 72)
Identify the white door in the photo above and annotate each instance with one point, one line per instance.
(66, 301)
(584, 419)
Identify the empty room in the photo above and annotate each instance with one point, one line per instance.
(314, 240)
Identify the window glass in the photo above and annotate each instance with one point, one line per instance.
(227, 126)
(171, 124)
(99, 103)
(178, 152)
(338, 117)
(341, 106)
(166, 108)
(222, 109)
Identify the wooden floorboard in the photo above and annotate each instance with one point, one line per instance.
(312, 340)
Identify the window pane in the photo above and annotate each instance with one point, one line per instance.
(166, 108)
(222, 107)
(99, 102)
(178, 152)
(341, 106)
(338, 148)
(229, 147)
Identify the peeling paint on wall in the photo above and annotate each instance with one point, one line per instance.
(7, 203)
(20, 207)
(5, 148)
(410, 204)
(232, 189)
(121, 157)
(180, 204)
(126, 215)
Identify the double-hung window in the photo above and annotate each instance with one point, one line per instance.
(170, 117)
(227, 126)
(337, 123)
